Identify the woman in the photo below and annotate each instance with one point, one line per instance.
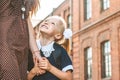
(16, 35)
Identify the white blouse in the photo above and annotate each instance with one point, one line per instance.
(47, 50)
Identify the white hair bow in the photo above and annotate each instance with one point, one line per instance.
(67, 33)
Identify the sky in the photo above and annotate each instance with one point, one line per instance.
(46, 7)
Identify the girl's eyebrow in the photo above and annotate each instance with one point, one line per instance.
(45, 20)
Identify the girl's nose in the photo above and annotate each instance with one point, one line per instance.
(46, 22)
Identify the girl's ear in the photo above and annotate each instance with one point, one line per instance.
(58, 36)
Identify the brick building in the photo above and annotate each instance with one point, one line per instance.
(96, 39)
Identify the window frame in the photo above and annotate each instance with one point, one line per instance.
(105, 60)
(87, 9)
(88, 63)
(105, 4)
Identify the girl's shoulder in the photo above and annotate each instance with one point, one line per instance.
(58, 46)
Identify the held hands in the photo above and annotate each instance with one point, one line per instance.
(38, 71)
(41, 64)
(37, 59)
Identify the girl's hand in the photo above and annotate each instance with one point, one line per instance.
(36, 68)
(44, 64)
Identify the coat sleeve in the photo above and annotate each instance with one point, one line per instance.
(3, 5)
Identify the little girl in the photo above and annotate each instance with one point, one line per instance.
(55, 59)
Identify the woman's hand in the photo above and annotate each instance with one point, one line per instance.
(36, 56)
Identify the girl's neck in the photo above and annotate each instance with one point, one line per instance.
(45, 40)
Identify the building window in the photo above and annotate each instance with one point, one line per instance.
(69, 21)
(105, 4)
(88, 63)
(106, 60)
(88, 9)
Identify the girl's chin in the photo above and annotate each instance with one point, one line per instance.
(43, 31)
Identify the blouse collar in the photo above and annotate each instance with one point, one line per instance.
(47, 50)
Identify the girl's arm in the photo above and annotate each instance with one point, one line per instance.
(44, 64)
(33, 71)
(60, 74)
(31, 74)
